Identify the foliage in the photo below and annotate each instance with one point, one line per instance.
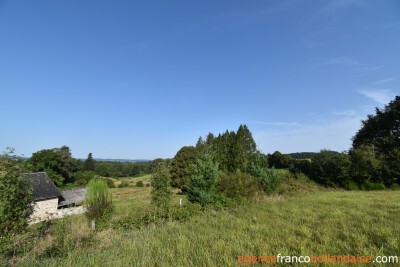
(139, 184)
(268, 179)
(98, 199)
(122, 169)
(232, 150)
(156, 162)
(181, 167)
(160, 194)
(203, 181)
(57, 163)
(331, 169)
(15, 195)
(382, 131)
(244, 148)
(237, 185)
(373, 186)
(89, 164)
(279, 161)
(364, 164)
(83, 177)
(394, 186)
(301, 166)
(351, 185)
(389, 167)
(295, 184)
(308, 155)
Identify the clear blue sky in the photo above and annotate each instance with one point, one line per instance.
(140, 79)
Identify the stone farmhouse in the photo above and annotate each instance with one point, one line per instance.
(51, 203)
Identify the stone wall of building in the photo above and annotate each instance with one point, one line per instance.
(60, 213)
(45, 208)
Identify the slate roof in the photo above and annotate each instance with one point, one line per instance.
(72, 196)
(43, 187)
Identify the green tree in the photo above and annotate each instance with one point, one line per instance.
(89, 164)
(331, 169)
(181, 167)
(15, 195)
(279, 160)
(154, 164)
(203, 181)
(244, 148)
(382, 130)
(364, 164)
(57, 162)
(160, 194)
(389, 167)
(232, 150)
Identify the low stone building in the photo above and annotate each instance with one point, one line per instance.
(51, 203)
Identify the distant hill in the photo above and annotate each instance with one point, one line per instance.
(307, 155)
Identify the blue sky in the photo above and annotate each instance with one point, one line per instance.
(140, 79)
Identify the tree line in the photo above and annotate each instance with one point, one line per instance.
(63, 169)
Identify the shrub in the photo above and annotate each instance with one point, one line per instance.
(139, 184)
(203, 181)
(364, 164)
(185, 212)
(331, 169)
(127, 223)
(270, 179)
(83, 177)
(237, 185)
(15, 196)
(351, 185)
(373, 186)
(148, 184)
(291, 186)
(301, 166)
(123, 184)
(395, 187)
(97, 200)
(279, 160)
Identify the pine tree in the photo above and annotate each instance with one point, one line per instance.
(89, 164)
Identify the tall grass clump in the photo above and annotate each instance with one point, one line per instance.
(98, 200)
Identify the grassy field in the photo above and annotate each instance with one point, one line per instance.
(334, 222)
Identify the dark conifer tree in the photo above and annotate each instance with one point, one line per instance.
(89, 163)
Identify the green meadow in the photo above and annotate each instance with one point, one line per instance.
(303, 219)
